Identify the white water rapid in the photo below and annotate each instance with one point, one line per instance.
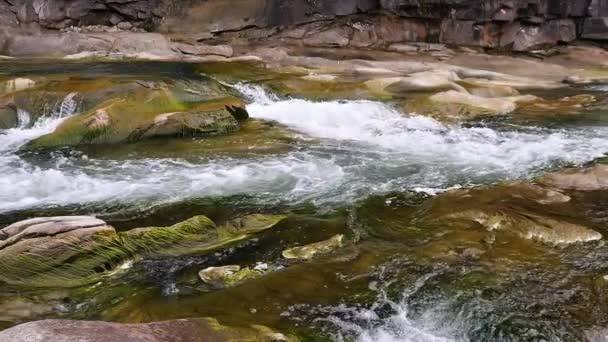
(354, 148)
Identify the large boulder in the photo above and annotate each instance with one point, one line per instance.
(181, 330)
(150, 112)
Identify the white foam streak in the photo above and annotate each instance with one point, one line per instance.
(425, 140)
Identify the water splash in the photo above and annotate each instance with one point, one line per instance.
(23, 118)
(377, 126)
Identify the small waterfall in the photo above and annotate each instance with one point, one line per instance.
(68, 106)
(23, 118)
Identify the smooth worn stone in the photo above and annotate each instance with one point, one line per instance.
(584, 179)
(205, 50)
(500, 105)
(191, 330)
(314, 249)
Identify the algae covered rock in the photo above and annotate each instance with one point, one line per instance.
(192, 329)
(72, 251)
(58, 251)
(146, 113)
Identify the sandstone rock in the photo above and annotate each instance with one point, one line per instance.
(56, 251)
(586, 179)
(205, 50)
(314, 249)
(192, 329)
(426, 81)
(500, 105)
(74, 251)
(498, 91)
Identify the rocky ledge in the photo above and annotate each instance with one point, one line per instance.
(30, 28)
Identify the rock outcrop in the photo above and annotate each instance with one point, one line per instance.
(518, 25)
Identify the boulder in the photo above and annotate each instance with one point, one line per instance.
(169, 110)
(192, 330)
(499, 105)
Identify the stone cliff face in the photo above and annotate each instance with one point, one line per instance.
(509, 24)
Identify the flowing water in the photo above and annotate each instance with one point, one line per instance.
(341, 153)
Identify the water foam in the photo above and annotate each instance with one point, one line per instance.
(425, 140)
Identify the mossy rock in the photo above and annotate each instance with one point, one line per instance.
(64, 260)
(85, 255)
(144, 113)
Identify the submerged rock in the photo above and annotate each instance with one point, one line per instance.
(511, 208)
(313, 249)
(226, 276)
(192, 329)
(586, 179)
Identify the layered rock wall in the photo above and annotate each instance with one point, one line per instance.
(510, 24)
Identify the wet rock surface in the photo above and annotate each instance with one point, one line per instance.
(196, 329)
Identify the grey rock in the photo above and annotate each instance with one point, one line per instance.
(595, 28)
